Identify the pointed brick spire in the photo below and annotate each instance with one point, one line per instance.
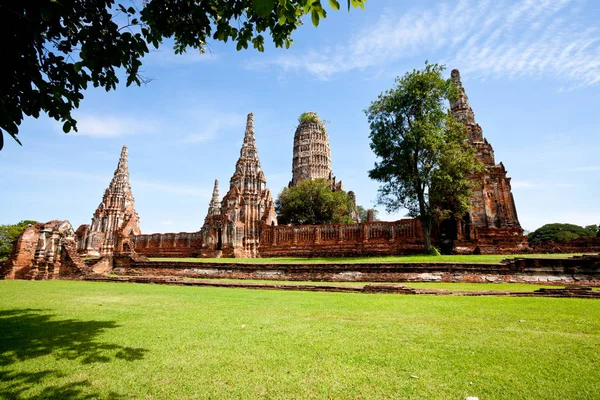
(249, 147)
(248, 175)
(117, 208)
(120, 181)
(462, 111)
(122, 166)
(461, 108)
(215, 205)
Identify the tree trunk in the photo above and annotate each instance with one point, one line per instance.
(424, 216)
(426, 227)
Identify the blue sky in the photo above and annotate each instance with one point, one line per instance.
(531, 70)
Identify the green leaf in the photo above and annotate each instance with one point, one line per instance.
(67, 127)
(263, 7)
(314, 15)
(334, 4)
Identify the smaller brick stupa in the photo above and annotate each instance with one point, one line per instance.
(114, 218)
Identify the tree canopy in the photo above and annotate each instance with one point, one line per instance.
(592, 228)
(9, 235)
(561, 233)
(312, 202)
(56, 48)
(424, 160)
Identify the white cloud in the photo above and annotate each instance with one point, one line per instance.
(110, 126)
(209, 124)
(531, 38)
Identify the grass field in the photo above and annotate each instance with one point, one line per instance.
(487, 258)
(66, 339)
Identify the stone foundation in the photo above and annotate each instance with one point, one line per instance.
(581, 270)
(494, 241)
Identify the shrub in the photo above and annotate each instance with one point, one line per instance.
(308, 117)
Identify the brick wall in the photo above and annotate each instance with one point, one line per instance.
(336, 240)
(168, 244)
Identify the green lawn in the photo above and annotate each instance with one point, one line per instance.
(361, 260)
(66, 339)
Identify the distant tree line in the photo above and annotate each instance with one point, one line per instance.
(562, 233)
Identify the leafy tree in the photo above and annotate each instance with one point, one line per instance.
(424, 160)
(9, 235)
(362, 214)
(312, 202)
(592, 228)
(56, 48)
(559, 233)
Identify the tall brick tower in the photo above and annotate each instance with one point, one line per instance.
(493, 212)
(114, 217)
(235, 228)
(312, 154)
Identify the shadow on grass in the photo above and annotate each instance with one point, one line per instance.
(30, 333)
(17, 385)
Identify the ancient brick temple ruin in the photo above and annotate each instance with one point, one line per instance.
(53, 249)
(312, 154)
(491, 225)
(232, 225)
(44, 251)
(244, 224)
(115, 218)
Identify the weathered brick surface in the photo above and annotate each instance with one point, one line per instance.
(44, 251)
(492, 224)
(582, 270)
(312, 154)
(20, 260)
(168, 244)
